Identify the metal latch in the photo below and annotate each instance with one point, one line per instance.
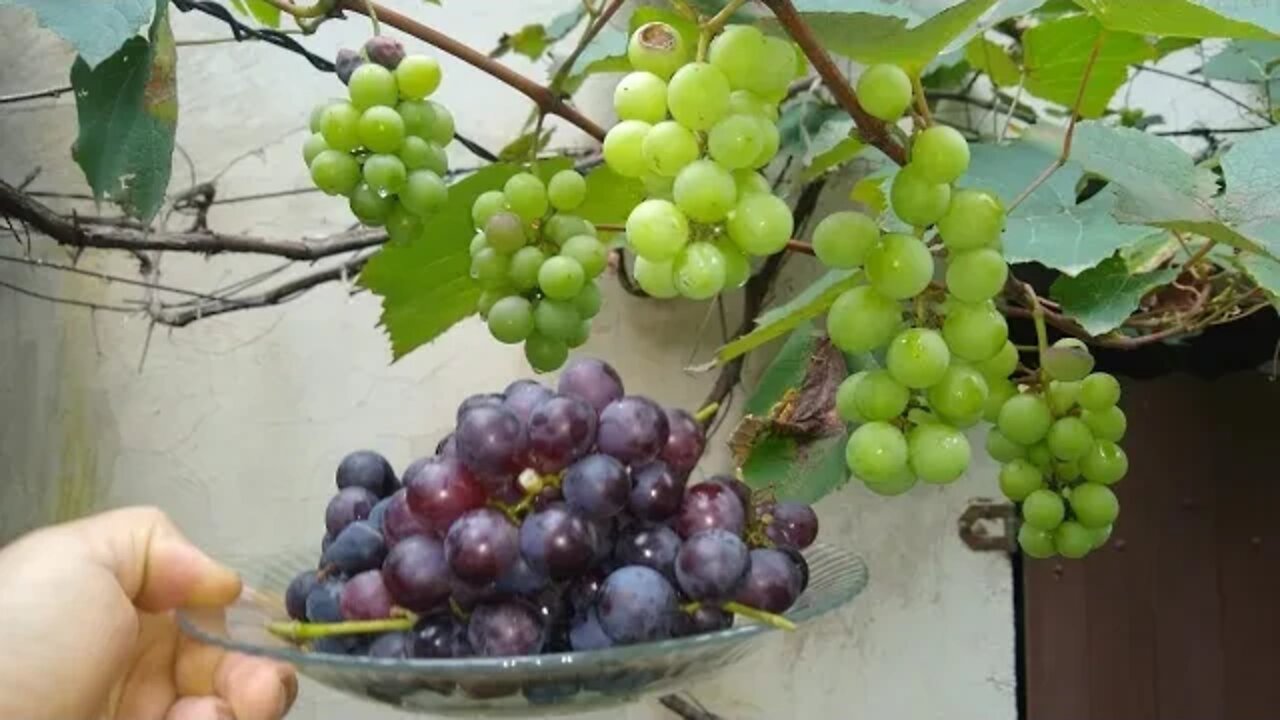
(989, 526)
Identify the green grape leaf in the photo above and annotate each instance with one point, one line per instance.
(945, 76)
(610, 197)
(1167, 45)
(994, 60)
(1265, 272)
(913, 13)
(565, 22)
(259, 10)
(1252, 175)
(805, 306)
(819, 135)
(1103, 297)
(1057, 53)
(95, 29)
(1185, 18)
(127, 107)
(839, 154)
(425, 284)
(870, 192)
(531, 41)
(1245, 61)
(523, 146)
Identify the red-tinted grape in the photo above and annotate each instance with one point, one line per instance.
(793, 525)
(557, 541)
(561, 430)
(739, 488)
(481, 546)
(592, 380)
(633, 429)
(523, 396)
(441, 490)
(365, 597)
(491, 440)
(349, 505)
(357, 548)
(685, 441)
(711, 565)
(637, 604)
(710, 505)
(656, 492)
(655, 547)
(772, 582)
(416, 573)
(369, 470)
(401, 521)
(596, 486)
(447, 447)
(504, 629)
(481, 400)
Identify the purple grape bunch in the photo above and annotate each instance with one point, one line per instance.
(550, 520)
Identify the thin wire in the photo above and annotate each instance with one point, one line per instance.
(243, 32)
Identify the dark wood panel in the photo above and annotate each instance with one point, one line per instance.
(1056, 643)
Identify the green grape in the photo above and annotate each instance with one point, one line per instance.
(1025, 419)
(505, 232)
(559, 228)
(526, 196)
(1000, 365)
(704, 191)
(1040, 456)
(745, 102)
(545, 354)
(1061, 396)
(1067, 359)
(588, 301)
(485, 206)
(419, 154)
(657, 230)
(941, 154)
(739, 52)
(778, 67)
(916, 200)
(1066, 471)
(1002, 449)
(976, 275)
(846, 398)
(844, 239)
(511, 319)
(658, 48)
(561, 278)
(750, 182)
(657, 186)
(1094, 505)
(340, 126)
(335, 172)
(371, 85)
(623, 148)
(316, 114)
(524, 266)
(417, 76)
(877, 452)
(772, 140)
(737, 267)
(641, 96)
(736, 141)
(313, 146)
(1105, 463)
(974, 332)
(699, 271)
(939, 453)
(668, 148)
(960, 396)
(402, 225)
(440, 126)
(418, 117)
(1109, 424)
(590, 253)
(488, 298)
(385, 173)
(999, 390)
(880, 397)
(861, 320)
(894, 486)
(884, 91)
(1036, 543)
(899, 266)
(478, 242)
(655, 278)
(1072, 540)
(974, 220)
(761, 224)
(556, 319)
(1099, 391)
(368, 206)
(698, 95)
(490, 268)
(1100, 536)
(566, 190)
(1069, 438)
(579, 336)
(918, 357)
(424, 192)
(1043, 509)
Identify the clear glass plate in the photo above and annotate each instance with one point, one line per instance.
(511, 686)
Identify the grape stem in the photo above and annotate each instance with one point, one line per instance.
(922, 101)
(707, 412)
(303, 12)
(758, 615)
(294, 630)
(601, 18)
(717, 22)
(1037, 316)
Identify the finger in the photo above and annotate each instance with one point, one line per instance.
(196, 667)
(256, 688)
(200, 708)
(147, 690)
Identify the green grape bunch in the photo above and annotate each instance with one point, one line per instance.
(696, 132)
(384, 146)
(537, 265)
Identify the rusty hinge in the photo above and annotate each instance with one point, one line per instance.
(989, 526)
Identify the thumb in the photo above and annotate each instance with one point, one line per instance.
(156, 567)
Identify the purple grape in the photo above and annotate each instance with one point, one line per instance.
(503, 488)
(685, 441)
(801, 564)
(582, 593)
(655, 547)
(392, 646)
(592, 380)
(295, 597)
(561, 430)
(440, 636)
(441, 490)
(587, 634)
(703, 619)
(633, 430)
(468, 595)
(481, 546)
(492, 440)
(337, 645)
(325, 542)
(711, 565)
(656, 492)
(349, 505)
(522, 579)
(365, 597)
(447, 447)
(324, 602)
(416, 573)
(378, 515)
(739, 488)
(557, 542)
(401, 521)
(605, 535)
(384, 50)
(357, 548)
(636, 605)
(475, 401)
(504, 629)
(710, 505)
(772, 582)
(369, 470)
(793, 525)
(596, 486)
(346, 63)
(523, 396)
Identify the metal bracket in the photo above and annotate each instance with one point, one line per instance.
(989, 526)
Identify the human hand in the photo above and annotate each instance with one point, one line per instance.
(87, 630)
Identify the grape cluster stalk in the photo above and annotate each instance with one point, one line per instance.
(550, 520)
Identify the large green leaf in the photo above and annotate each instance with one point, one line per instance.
(610, 197)
(916, 12)
(1245, 61)
(1251, 169)
(1049, 227)
(425, 284)
(260, 10)
(127, 108)
(1056, 55)
(805, 306)
(1102, 297)
(95, 29)
(994, 60)
(1265, 272)
(1184, 18)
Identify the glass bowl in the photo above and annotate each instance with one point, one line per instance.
(555, 683)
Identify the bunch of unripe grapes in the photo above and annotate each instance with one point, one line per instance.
(550, 520)
(695, 133)
(383, 147)
(538, 265)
